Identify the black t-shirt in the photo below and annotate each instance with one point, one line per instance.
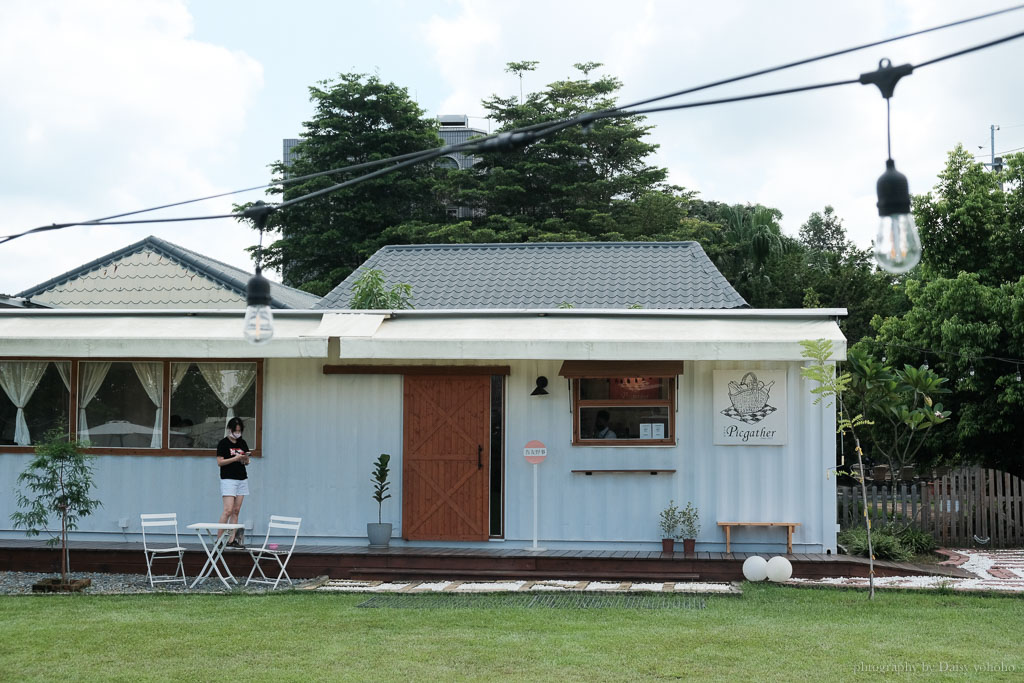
(226, 449)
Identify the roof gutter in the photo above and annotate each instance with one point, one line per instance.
(741, 313)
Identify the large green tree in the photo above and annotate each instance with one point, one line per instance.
(356, 118)
(593, 183)
(961, 326)
(970, 224)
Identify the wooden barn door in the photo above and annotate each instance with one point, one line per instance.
(446, 458)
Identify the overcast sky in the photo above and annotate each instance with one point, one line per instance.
(110, 105)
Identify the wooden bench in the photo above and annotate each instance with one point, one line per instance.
(789, 531)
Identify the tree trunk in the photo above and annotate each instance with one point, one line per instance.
(867, 518)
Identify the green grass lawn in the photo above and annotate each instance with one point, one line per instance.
(771, 632)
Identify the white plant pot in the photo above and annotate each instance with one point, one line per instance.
(379, 534)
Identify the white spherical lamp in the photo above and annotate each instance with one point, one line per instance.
(779, 569)
(755, 568)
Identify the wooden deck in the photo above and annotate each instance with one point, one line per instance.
(408, 562)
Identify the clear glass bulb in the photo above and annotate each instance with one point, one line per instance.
(897, 245)
(259, 324)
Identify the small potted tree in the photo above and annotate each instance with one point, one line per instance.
(57, 482)
(380, 533)
(669, 524)
(689, 527)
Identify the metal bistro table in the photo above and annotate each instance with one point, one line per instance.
(215, 550)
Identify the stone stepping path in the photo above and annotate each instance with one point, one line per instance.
(465, 587)
(995, 570)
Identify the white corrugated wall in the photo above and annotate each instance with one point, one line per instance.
(322, 434)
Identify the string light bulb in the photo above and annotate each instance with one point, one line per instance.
(897, 243)
(258, 326)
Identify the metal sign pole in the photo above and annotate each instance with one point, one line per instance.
(535, 453)
(535, 508)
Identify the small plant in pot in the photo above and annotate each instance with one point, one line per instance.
(689, 527)
(669, 525)
(380, 533)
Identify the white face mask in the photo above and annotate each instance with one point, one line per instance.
(236, 435)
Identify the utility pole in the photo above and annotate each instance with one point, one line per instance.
(992, 130)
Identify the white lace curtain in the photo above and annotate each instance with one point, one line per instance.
(151, 376)
(19, 380)
(90, 379)
(229, 381)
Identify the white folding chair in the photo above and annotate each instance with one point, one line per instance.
(286, 525)
(155, 552)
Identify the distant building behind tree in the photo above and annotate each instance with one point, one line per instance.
(453, 129)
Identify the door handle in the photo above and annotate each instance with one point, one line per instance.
(479, 457)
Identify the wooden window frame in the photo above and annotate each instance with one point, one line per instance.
(165, 449)
(579, 404)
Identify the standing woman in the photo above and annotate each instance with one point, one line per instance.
(232, 457)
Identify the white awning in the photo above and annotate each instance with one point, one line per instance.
(424, 335)
(62, 334)
(592, 337)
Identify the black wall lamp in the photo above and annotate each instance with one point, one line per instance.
(540, 390)
(897, 244)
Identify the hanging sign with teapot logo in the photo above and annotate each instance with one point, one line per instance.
(750, 407)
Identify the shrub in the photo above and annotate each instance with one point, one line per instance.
(885, 545)
(916, 541)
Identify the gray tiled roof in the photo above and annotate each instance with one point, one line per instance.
(548, 274)
(229, 277)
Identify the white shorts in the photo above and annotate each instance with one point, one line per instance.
(234, 487)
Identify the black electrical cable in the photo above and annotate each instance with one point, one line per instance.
(837, 53)
(727, 100)
(590, 117)
(960, 53)
(433, 154)
(734, 79)
(58, 226)
(987, 156)
(475, 145)
(530, 133)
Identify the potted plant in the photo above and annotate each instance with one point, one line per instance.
(58, 481)
(380, 533)
(669, 524)
(689, 527)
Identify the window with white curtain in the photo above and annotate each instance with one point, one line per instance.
(34, 400)
(135, 406)
(205, 396)
(117, 404)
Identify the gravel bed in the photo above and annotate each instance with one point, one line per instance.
(20, 583)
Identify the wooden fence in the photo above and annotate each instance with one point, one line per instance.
(962, 508)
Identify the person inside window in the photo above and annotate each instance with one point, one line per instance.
(601, 428)
(232, 457)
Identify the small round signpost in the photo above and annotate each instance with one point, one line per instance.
(535, 452)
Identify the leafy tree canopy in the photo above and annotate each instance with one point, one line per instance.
(901, 406)
(356, 118)
(964, 321)
(576, 185)
(970, 224)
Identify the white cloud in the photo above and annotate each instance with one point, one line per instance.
(108, 107)
(798, 152)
